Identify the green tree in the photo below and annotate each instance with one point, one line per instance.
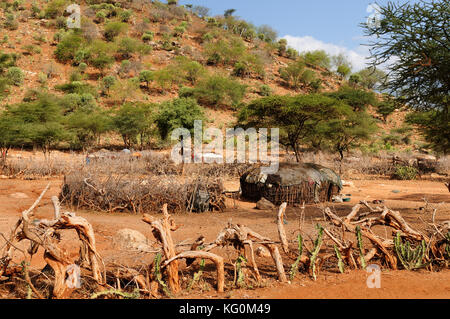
(292, 74)
(12, 133)
(134, 122)
(295, 116)
(178, 113)
(348, 129)
(42, 120)
(414, 37)
(344, 70)
(15, 76)
(217, 90)
(372, 78)
(387, 106)
(113, 29)
(107, 83)
(68, 46)
(87, 126)
(358, 99)
(146, 76)
(317, 58)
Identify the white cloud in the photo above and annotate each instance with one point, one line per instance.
(358, 57)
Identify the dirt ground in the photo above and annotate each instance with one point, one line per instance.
(405, 196)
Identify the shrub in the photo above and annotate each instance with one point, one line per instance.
(267, 32)
(148, 36)
(125, 15)
(405, 173)
(7, 60)
(98, 54)
(82, 67)
(113, 29)
(69, 45)
(282, 47)
(11, 22)
(127, 46)
(225, 52)
(265, 90)
(343, 70)
(188, 70)
(125, 68)
(146, 76)
(76, 87)
(317, 58)
(55, 8)
(177, 113)
(355, 79)
(15, 76)
(219, 90)
(292, 74)
(292, 54)
(107, 83)
(179, 31)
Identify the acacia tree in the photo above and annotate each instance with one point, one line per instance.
(41, 121)
(347, 130)
(295, 116)
(134, 122)
(414, 39)
(11, 133)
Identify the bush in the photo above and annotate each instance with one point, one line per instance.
(107, 83)
(317, 58)
(15, 76)
(343, 70)
(248, 64)
(146, 76)
(69, 45)
(125, 15)
(127, 46)
(99, 54)
(219, 90)
(11, 22)
(113, 29)
(293, 73)
(77, 87)
(265, 90)
(355, 79)
(405, 173)
(55, 8)
(292, 54)
(178, 113)
(226, 52)
(148, 36)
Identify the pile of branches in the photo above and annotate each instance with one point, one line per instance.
(123, 193)
(340, 242)
(47, 234)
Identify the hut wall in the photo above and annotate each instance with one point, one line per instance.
(295, 194)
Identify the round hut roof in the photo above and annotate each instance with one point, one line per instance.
(293, 174)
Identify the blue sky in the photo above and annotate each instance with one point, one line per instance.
(332, 25)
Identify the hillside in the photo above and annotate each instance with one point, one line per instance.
(119, 41)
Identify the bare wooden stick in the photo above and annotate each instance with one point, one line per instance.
(161, 229)
(281, 231)
(218, 261)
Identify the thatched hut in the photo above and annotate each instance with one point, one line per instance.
(294, 183)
